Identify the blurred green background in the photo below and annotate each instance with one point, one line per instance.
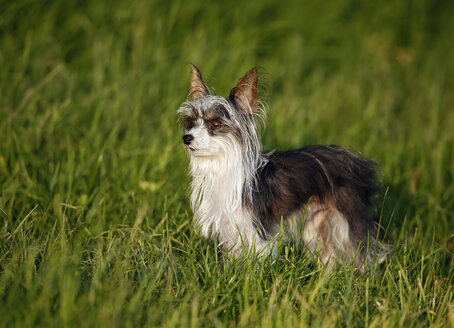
(94, 211)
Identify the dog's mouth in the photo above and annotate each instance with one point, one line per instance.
(195, 152)
(189, 148)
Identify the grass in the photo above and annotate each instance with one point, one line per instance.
(95, 223)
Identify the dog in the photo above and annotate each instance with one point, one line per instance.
(317, 196)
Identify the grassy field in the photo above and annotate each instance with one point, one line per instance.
(95, 223)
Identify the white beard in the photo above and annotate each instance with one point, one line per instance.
(218, 186)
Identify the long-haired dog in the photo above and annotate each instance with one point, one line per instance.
(320, 196)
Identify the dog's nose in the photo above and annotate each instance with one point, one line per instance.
(187, 138)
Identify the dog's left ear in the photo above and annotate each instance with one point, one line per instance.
(244, 94)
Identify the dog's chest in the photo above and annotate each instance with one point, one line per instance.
(217, 200)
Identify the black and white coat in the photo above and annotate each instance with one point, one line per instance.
(322, 194)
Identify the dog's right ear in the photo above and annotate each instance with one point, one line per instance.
(198, 87)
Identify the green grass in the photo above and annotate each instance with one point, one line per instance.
(95, 223)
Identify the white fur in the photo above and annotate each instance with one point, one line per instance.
(307, 226)
(216, 198)
(222, 171)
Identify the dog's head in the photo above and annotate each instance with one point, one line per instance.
(214, 126)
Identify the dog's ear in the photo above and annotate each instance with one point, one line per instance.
(198, 87)
(244, 94)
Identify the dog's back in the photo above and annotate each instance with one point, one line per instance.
(327, 189)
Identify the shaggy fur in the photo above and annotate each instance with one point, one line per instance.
(323, 194)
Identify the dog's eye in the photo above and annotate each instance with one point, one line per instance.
(215, 124)
(190, 125)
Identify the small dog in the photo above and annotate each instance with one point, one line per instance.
(318, 195)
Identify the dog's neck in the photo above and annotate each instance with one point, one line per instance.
(217, 191)
(219, 188)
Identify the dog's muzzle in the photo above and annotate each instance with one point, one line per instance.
(187, 138)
